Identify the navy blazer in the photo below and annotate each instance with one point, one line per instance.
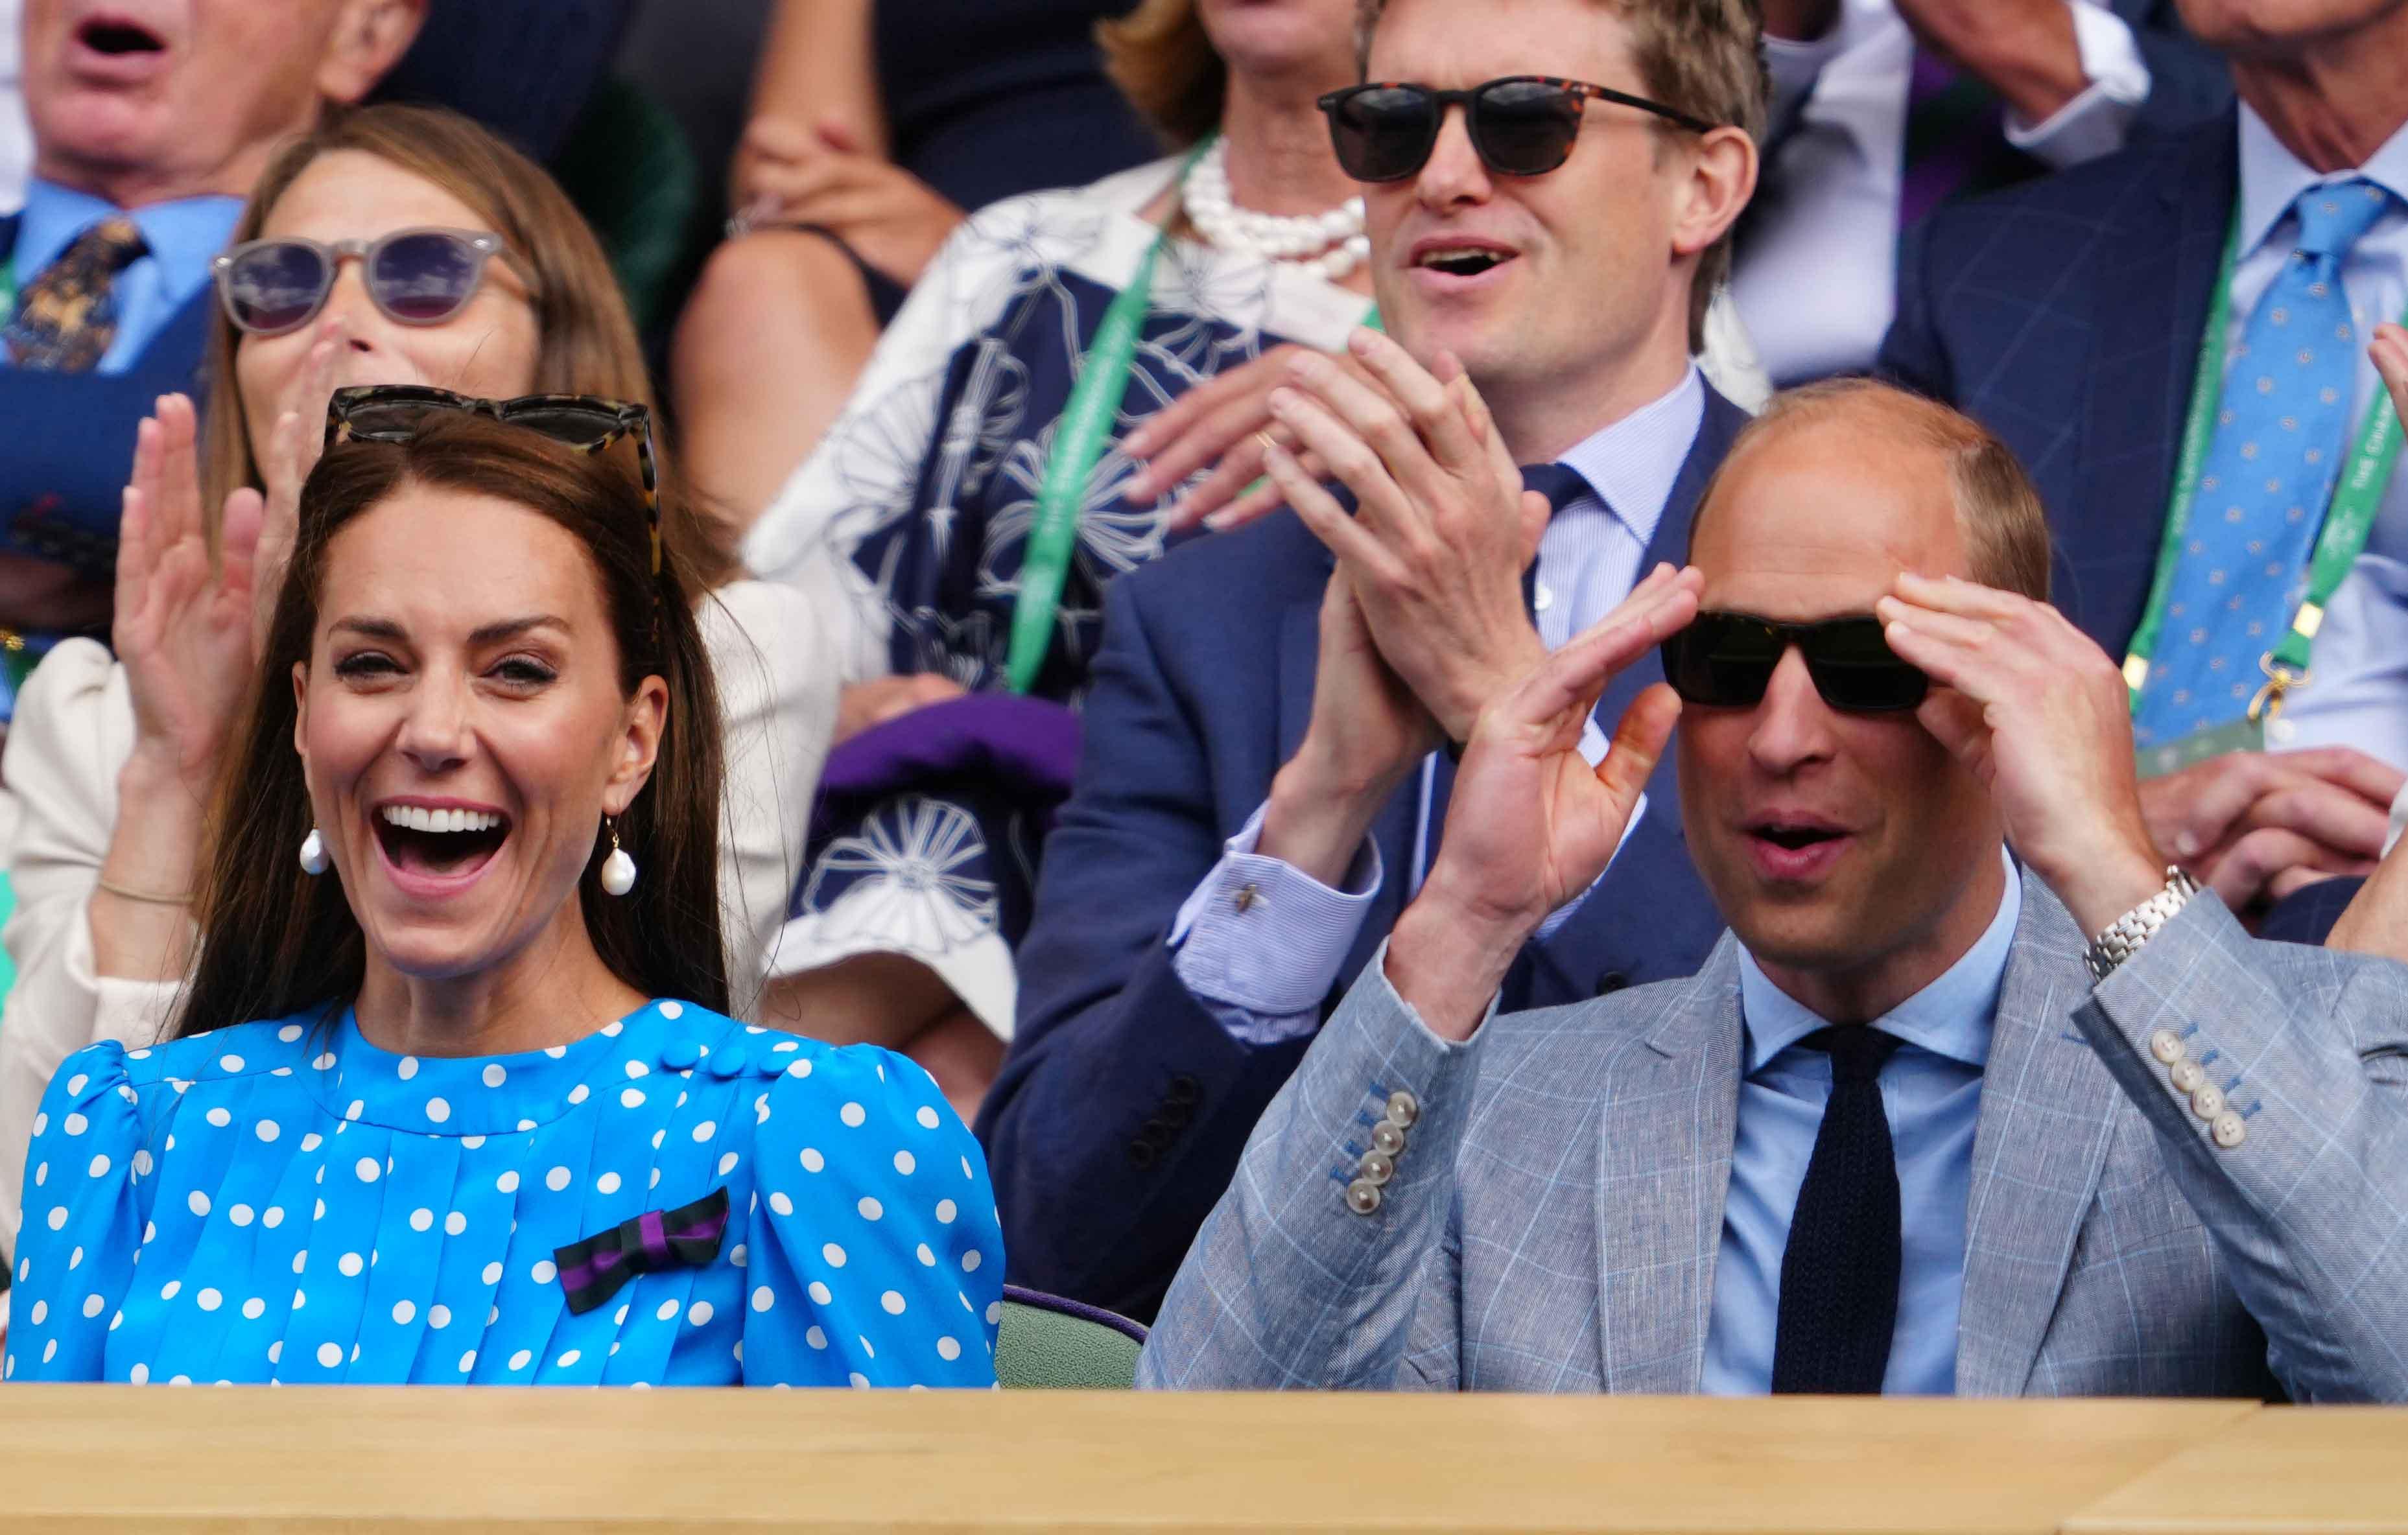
(2065, 316)
(1122, 1104)
(66, 439)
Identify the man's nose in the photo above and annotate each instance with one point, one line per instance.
(1792, 721)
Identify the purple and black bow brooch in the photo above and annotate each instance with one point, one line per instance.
(591, 1271)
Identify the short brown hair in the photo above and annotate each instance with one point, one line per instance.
(1702, 57)
(279, 942)
(585, 339)
(1165, 64)
(1999, 510)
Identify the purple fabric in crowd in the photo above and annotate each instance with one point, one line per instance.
(1026, 747)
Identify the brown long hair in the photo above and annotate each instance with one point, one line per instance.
(586, 341)
(1164, 62)
(280, 941)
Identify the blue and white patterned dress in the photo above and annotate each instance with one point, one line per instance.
(909, 523)
(284, 1201)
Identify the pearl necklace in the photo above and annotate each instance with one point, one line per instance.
(1331, 243)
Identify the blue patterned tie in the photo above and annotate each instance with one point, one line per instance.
(2282, 430)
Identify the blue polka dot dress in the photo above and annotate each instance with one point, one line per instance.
(284, 1201)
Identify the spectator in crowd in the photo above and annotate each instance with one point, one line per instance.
(1247, 822)
(525, 70)
(476, 1036)
(875, 127)
(1884, 109)
(964, 520)
(2174, 338)
(150, 123)
(1903, 1132)
(115, 759)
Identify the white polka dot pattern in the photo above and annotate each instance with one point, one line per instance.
(436, 1192)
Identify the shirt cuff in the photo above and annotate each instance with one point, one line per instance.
(2097, 122)
(2398, 820)
(1262, 935)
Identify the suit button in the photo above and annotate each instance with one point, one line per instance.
(1376, 1169)
(1362, 1197)
(1387, 1138)
(1174, 1114)
(1183, 1089)
(2167, 1046)
(2189, 1076)
(1142, 1155)
(1613, 982)
(1403, 1109)
(2207, 1102)
(2228, 1129)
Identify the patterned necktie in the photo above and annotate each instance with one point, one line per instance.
(1839, 1274)
(2282, 430)
(66, 317)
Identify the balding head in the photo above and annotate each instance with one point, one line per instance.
(2000, 518)
(1853, 854)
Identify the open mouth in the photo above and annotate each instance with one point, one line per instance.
(115, 38)
(1463, 261)
(1795, 839)
(439, 843)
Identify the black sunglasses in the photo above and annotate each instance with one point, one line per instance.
(1726, 660)
(1520, 126)
(414, 276)
(395, 413)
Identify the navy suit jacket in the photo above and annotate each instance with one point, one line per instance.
(1123, 1103)
(69, 439)
(2065, 315)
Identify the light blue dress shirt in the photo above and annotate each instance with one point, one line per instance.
(1931, 1093)
(1262, 964)
(183, 235)
(2358, 695)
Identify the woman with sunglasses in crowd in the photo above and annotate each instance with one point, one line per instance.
(398, 245)
(451, 1099)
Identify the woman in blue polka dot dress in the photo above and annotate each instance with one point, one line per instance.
(465, 1147)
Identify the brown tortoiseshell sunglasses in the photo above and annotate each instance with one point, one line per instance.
(1520, 126)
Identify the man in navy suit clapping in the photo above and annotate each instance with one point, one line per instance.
(1244, 830)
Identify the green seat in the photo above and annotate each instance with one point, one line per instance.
(627, 167)
(1044, 1340)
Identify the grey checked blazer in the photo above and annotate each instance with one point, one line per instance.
(1555, 1216)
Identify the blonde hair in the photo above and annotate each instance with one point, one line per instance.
(586, 341)
(1165, 64)
(1701, 57)
(1999, 510)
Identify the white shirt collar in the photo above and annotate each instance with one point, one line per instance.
(1631, 464)
(2272, 178)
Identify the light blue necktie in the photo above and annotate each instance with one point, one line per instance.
(2282, 430)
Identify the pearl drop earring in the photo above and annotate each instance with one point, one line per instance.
(313, 854)
(619, 870)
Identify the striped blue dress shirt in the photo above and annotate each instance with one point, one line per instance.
(1264, 969)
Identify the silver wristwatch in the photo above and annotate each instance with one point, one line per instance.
(2123, 939)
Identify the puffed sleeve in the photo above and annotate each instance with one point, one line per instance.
(877, 1258)
(82, 1219)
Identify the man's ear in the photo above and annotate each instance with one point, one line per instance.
(370, 39)
(1721, 179)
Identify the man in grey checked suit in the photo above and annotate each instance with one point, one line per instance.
(2188, 1178)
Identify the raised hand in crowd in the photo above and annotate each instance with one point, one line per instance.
(1225, 422)
(2040, 715)
(863, 706)
(825, 177)
(1532, 824)
(2256, 826)
(1442, 529)
(2024, 49)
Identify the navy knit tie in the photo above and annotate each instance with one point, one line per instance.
(1839, 1274)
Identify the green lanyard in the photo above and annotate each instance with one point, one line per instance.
(7, 290)
(2358, 494)
(1077, 443)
